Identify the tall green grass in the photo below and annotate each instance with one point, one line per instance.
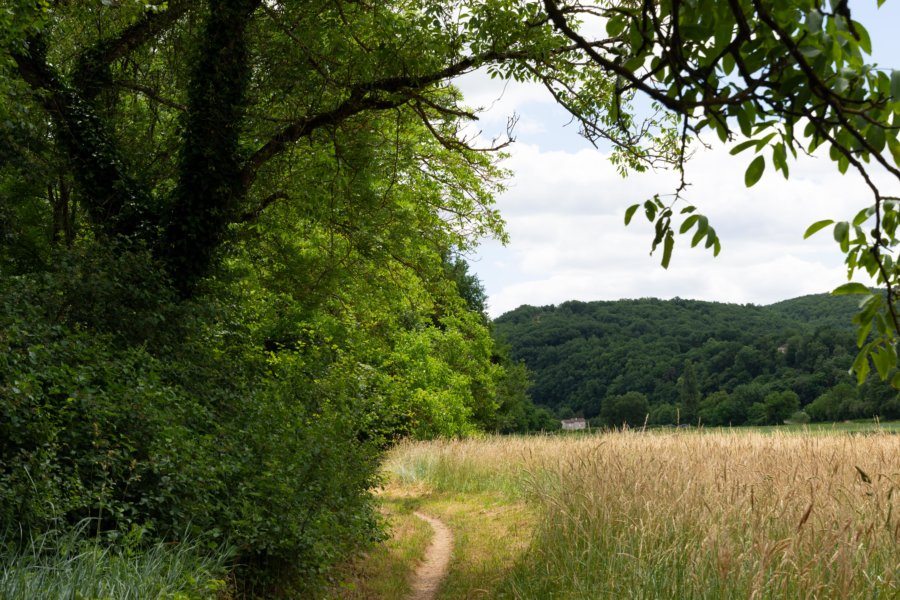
(69, 565)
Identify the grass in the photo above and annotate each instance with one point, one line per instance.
(859, 426)
(726, 513)
(492, 531)
(384, 571)
(67, 565)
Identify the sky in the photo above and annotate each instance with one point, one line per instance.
(565, 204)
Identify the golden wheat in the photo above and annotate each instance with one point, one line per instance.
(678, 514)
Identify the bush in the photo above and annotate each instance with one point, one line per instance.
(197, 430)
(663, 414)
(799, 417)
(628, 409)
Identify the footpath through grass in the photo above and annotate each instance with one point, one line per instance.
(491, 530)
(650, 515)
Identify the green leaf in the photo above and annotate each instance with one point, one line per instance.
(850, 288)
(668, 244)
(885, 359)
(843, 164)
(814, 20)
(895, 85)
(875, 137)
(842, 235)
(865, 41)
(702, 227)
(863, 216)
(616, 25)
(863, 333)
(629, 212)
(728, 64)
(810, 51)
(779, 159)
(744, 121)
(754, 171)
(861, 365)
(688, 223)
(742, 146)
(817, 226)
(894, 147)
(895, 380)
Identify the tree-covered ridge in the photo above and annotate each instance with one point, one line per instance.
(692, 360)
(818, 310)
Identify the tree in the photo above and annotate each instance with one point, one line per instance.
(718, 409)
(688, 393)
(779, 406)
(663, 414)
(629, 409)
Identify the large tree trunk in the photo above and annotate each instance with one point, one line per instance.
(210, 185)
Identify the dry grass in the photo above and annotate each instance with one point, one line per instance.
(688, 515)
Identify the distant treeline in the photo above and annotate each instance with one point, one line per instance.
(672, 361)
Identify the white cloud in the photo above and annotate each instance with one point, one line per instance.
(565, 218)
(565, 206)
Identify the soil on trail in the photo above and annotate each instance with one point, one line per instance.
(432, 571)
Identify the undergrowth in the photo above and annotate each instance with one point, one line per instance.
(69, 564)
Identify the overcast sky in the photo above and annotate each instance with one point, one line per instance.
(565, 206)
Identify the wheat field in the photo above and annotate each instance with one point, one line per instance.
(729, 514)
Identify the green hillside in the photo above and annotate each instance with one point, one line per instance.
(694, 359)
(818, 310)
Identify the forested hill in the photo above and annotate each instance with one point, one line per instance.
(703, 359)
(818, 310)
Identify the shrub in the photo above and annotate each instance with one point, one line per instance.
(628, 409)
(199, 429)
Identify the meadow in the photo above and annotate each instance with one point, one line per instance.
(657, 514)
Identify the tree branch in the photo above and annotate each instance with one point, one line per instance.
(92, 71)
(380, 94)
(254, 214)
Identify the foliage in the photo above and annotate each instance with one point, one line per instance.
(688, 392)
(782, 78)
(230, 237)
(629, 409)
(230, 279)
(692, 359)
(94, 427)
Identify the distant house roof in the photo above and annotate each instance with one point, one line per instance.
(571, 424)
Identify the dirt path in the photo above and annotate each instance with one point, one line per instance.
(437, 559)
